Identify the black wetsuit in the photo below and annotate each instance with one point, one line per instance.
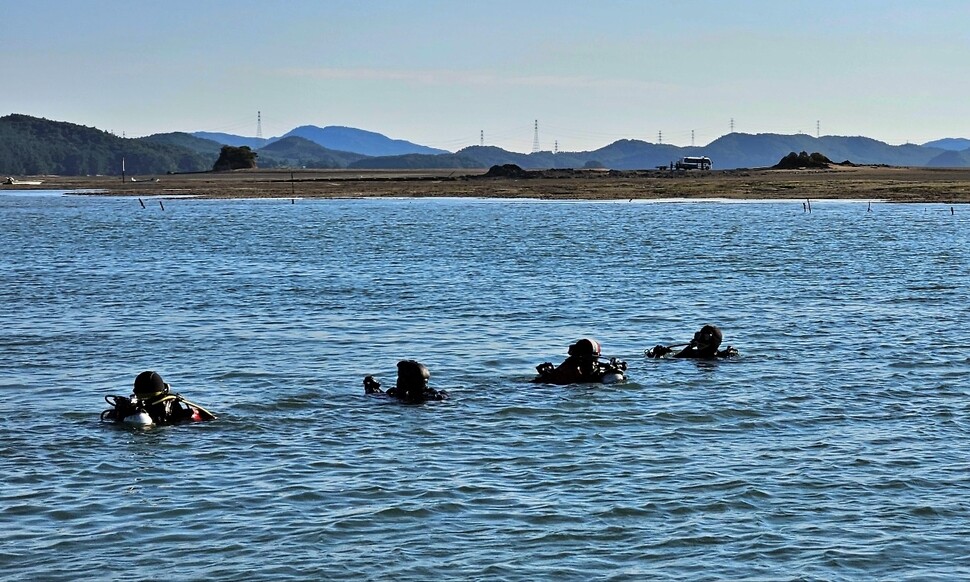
(573, 370)
(412, 384)
(416, 395)
(169, 410)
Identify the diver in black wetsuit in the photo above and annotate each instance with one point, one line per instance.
(412, 384)
(704, 346)
(582, 366)
(153, 396)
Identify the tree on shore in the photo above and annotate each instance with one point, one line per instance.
(235, 158)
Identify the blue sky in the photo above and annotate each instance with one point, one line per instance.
(440, 72)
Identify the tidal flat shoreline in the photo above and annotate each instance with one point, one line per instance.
(891, 184)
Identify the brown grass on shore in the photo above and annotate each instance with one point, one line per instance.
(858, 182)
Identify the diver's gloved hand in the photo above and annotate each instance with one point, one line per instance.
(729, 352)
(545, 368)
(658, 351)
(371, 386)
(618, 365)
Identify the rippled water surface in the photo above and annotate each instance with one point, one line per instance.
(836, 447)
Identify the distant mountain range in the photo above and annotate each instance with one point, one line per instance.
(950, 143)
(345, 139)
(35, 146)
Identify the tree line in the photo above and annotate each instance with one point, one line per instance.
(34, 146)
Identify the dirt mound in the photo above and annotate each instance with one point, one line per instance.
(507, 171)
(795, 161)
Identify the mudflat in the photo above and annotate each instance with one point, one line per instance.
(893, 184)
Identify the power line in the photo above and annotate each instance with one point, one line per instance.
(233, 126)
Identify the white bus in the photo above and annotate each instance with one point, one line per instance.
(694, 163)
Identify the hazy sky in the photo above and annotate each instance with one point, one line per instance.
(440, 72)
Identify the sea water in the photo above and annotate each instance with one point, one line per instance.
(837, 446)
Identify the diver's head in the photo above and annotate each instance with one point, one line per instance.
(585, 348)
(708, 339)
(149, 384)
(412, 375)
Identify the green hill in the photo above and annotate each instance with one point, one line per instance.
(188, 141)
(951, 159)
(367, 143)
(35, 146)
(298, 152)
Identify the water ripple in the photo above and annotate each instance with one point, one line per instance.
(835, 447)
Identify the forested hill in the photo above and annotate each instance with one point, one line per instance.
(31, 146)
(297, 152)
(368, 143)
(735, 150)
(34, 146)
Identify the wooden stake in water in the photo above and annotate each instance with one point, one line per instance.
(142, 203)
(162, 205)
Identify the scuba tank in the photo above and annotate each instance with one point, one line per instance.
(612, 372)
(140, 418)
(613, 378)
(127, 409)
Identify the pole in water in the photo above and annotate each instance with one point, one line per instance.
(803, 207)
(162, 205)
(870, 207)
(951, 211)
(809, 204)
(292, 200)
(142, 203)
